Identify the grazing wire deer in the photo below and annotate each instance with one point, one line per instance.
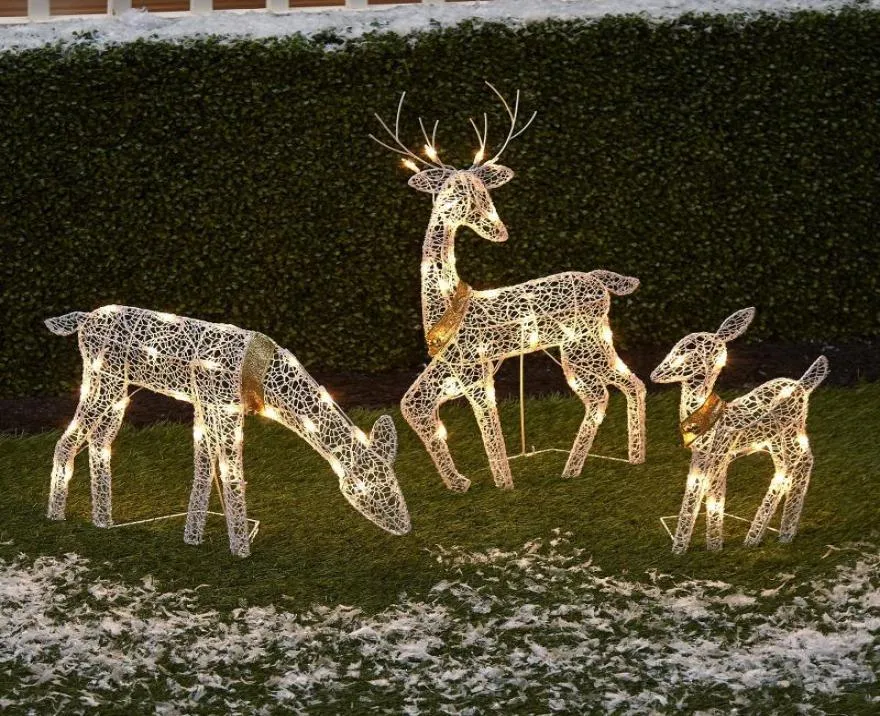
(224, 371)
(470, 333)
(771, 418)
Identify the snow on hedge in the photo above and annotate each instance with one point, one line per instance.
(540, 625)
(135, 25)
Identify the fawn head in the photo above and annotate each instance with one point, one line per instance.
(461, 196)
(699, 357)
(369, 483)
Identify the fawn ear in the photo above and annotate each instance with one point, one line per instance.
(430, 180)
(735, 324)
(493, 175)
(383, 438)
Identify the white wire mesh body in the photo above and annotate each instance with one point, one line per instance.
(567, 310)
(204, 364)
(771, 418)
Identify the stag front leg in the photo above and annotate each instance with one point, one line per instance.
(634, 390)
(421, 409)
(591, 390)
(482, 399)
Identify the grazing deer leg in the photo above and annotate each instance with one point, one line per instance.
(205, 452)
(100, 439)
(695, 491)
(421, 409)
(591, 390)
(232, 479)
(481, 396)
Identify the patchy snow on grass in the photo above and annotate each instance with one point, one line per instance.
(351, 24)
(539, 629)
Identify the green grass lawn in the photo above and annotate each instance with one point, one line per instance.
(313, 548)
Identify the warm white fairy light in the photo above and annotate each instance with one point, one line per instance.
(770, 418)
(470, 332)
(224, 372)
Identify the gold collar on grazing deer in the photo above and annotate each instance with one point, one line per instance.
(415, 163)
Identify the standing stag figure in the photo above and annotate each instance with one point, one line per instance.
(772, 418)
(469, 333)
(224, 371)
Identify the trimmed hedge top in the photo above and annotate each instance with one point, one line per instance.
(725, 163)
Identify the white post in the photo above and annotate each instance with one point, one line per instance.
(201, 7)
(38, 9)
(356, 4)
(117, 7)
(277, 5)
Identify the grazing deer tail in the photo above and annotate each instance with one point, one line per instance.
(66, 324)
(618, 284)
(815, 374)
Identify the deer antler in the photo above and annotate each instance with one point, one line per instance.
(512, 134)
(410, 157)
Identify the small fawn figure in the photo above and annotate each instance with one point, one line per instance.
(224, 371)
(469, 333)
(771, 418)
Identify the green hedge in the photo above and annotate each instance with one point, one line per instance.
(726, 162)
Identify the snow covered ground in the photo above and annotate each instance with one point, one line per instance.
(354, 23)
(541, 625)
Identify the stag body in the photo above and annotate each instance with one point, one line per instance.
(770, 418)
(209, 365)
(567, 310)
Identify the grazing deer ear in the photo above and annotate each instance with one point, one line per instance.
(430, 180)
(735, 324)
(383, 438)
(493, 175)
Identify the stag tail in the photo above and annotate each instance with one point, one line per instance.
(815, 374)
(66, 324)
(618, 284)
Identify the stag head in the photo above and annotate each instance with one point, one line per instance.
(461, 196)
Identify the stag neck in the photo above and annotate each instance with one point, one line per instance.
(439, 274)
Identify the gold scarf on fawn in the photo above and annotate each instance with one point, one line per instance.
(257, 357)
(700, 421)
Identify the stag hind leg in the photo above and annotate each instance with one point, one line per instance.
(421, 409)
(591, 390)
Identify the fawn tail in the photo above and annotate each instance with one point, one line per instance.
(66, 324)
(815, 374)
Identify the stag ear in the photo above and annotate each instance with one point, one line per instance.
(735, 324)
(430, 180)
(493, 175)
(383, 438)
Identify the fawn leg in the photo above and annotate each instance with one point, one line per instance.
(799, 481)
(591, 390)
(695, 490)
(421, 409)
(715, 494)
(205, 458)
(779, 486)
(481, 396)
